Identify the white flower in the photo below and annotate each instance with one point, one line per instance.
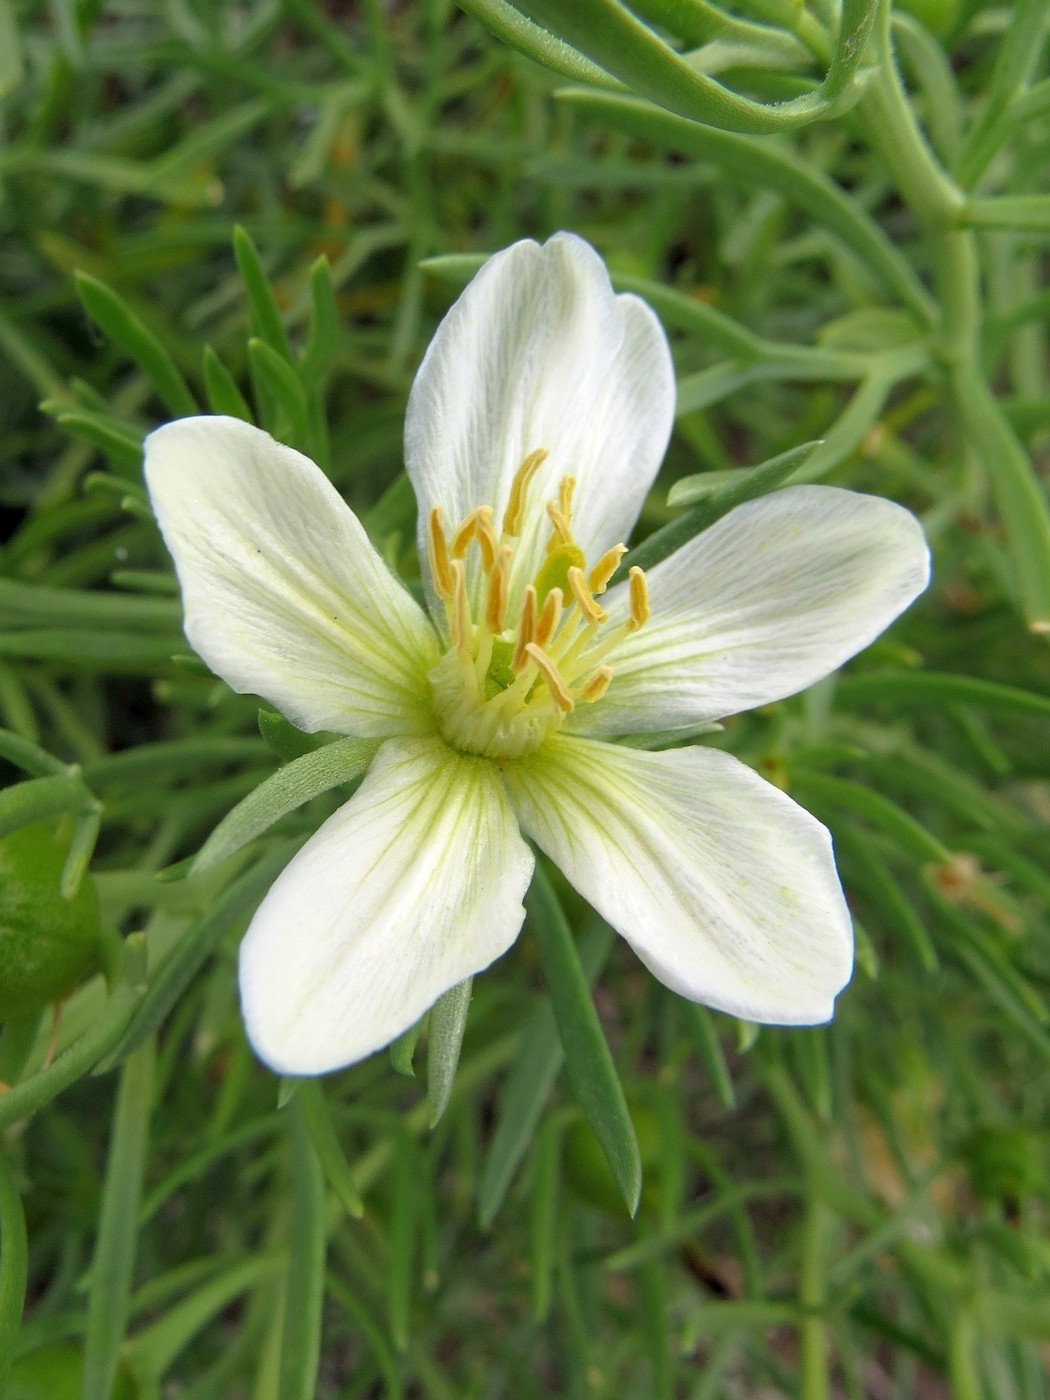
(535, 428)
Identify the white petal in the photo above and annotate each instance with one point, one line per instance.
(777, 594)
(539, 352)
(283, 594)
(411, 887)
(724, 887)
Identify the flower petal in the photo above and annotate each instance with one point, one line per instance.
(723, 886)
(284, 595)
(777, 594)
(411, 887)
(538, 352)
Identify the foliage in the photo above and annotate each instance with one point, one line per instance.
(841, 227)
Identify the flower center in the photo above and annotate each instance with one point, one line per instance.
(506, 682)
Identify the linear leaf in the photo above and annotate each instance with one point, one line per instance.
(587, 1056)
(118, 322)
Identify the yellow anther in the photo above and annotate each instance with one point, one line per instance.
(477, 526)
(526, 630)
(606, 567)
(566, 487)
(437, 550)
(464, 535)
(549, 617)
(597, 685)
(487, 538)
(513, 516)
(462, 625)
(639, 599)
(496, 602)
(560, 693)
(586, 604)
(562, 529)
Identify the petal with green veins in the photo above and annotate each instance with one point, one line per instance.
(725, 887)
(778, 593)
(284, 595)
(410, 888)
(539, 352)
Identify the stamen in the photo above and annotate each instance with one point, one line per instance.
(514, 515)
(562, 529)
(639, 599)
(499, 584)
(477, 526)
(590, 609)
(560, 693)
(606, 567)
(462, 624)
(549, 618)
(526, 629)
(597, 685)
(437, 550)
(566, 487)
(487, 538)
(464, 535)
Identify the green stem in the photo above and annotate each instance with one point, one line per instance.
(814, 1380)
(937, 202)
(14, 1267)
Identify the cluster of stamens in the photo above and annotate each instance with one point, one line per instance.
(508, 680)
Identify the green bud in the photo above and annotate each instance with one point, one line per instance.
(47, 943)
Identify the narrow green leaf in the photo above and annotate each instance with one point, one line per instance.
(535, 42)
(37, 605)
(543, 1220)
(266, 319)
(281, 387)
(84, 1054)
(756, 482)
(319, 1125)
(121, 443)
(301, 1337)
(305, 777)
(12, 69)
(528, 1085)
(704, 1037)
(1030, 212)
(940, 688)
(283, 738)
(153, 1350)
(403, 1049)
(903, 919)
(323, 337)
(14, 1267)
(171, 978)
(587, 1056)
(744, 160)
(448, 1021)
(112, 652)
(403, 1233)
(114, 1255)
(118, 322)
(30, 757)
(879, 810)
(38, 798)
(221, 388)
(81, 849)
